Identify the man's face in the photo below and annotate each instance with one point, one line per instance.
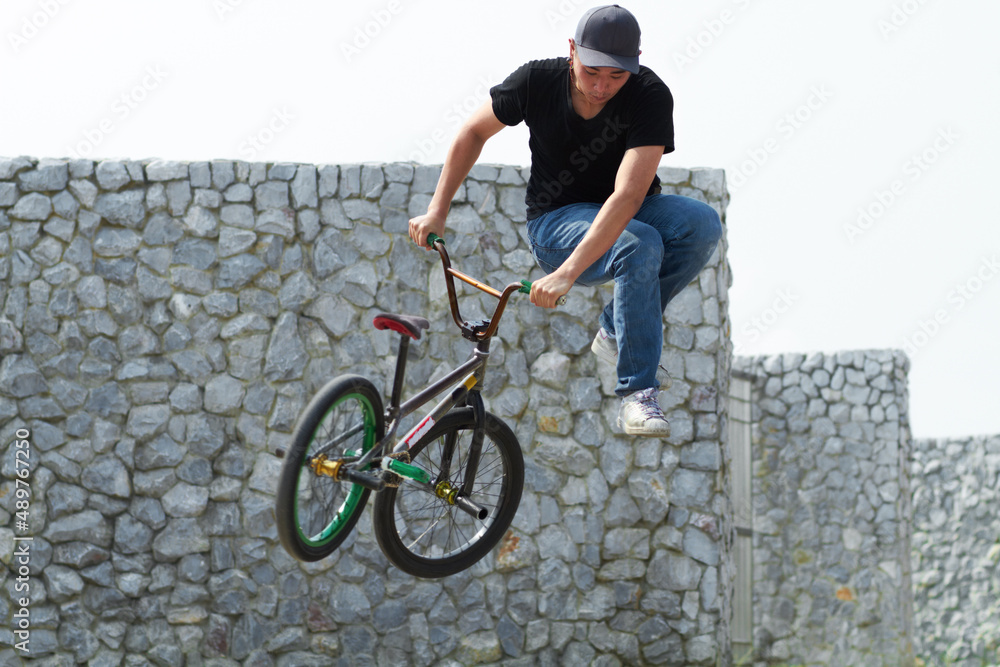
(597, 84)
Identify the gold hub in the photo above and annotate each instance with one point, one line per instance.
(324, 466)
(446, 491)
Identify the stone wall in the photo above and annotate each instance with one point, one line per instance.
(956, 550)
(162, 325)
(831, 515)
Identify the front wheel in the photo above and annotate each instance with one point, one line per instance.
(425, 535)
(314, 512)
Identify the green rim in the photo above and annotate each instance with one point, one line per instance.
(354, 496)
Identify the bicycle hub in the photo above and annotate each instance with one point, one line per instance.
(324, 466)
(445, 490)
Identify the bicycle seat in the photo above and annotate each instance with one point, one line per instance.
(409, 325)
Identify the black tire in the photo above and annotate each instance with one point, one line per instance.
(315, 513)
(426, 536)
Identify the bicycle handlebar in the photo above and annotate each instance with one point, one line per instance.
(449, 274)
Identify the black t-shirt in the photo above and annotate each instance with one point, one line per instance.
(575, 160)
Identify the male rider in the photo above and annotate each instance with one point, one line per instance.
(598, 124)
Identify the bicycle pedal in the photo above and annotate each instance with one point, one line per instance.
(402, 457)
(392, 480)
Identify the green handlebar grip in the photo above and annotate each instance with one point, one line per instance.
(431, 238)
(525, 288)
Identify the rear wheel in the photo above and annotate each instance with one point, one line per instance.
(427, 536)
(314, 512)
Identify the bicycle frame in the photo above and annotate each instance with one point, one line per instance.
(470, 374)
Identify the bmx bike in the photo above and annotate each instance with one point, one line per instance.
(445, 492)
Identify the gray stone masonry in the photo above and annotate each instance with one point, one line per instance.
(831, 509)
(956, 551)
(162, 325)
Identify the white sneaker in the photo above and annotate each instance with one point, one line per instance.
(641, 414)
(605, 346)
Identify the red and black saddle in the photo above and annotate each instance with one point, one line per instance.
(408, 325)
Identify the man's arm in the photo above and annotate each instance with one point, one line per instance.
(462, 155)
(635, 174)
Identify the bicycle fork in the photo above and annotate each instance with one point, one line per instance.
(460, 496)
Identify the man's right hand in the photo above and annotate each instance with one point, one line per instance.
(423, 226)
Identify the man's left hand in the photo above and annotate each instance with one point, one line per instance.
(546, 291)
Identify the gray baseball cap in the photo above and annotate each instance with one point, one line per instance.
(608, 36)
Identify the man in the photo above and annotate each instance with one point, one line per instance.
(598, 127)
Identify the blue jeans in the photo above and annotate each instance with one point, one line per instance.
(661, 250)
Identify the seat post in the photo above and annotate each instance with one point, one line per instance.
(397, 382)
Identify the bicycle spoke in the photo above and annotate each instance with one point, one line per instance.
(419, 537)
(426, 535)
(315, 513)
(438, 525)
(331, 442)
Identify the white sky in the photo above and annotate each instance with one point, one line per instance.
(817, 110)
